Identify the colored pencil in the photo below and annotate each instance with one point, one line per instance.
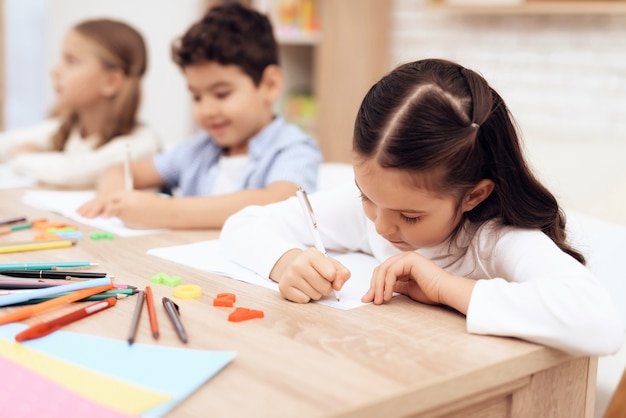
(45, 328)
(54, 265)
(28, 311)
(55, 290)
(35, 245)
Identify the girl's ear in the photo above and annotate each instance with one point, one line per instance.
(480, 192)
(272, 82)
(112, 83)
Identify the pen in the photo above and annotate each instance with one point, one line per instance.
(154, 325)
(174, 313)
(28, 311)
(45, 328)
(49, 274)
(55, 290)
(46, 266)
(14, 247)
(128, 172)
(136, 316)
(312, 223)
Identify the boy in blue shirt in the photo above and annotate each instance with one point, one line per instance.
(245, 155)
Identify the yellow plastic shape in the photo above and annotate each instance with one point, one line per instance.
(187, 291)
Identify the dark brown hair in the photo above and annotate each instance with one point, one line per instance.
(119, 47)
(229, 34)
(443, 122)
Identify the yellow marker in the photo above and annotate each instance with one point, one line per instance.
(14, 247)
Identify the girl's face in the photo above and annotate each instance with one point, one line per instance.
(80, 79)
(406, 216)
(228, 105)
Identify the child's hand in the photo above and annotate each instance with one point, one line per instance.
(136, 209)
(422, 280)
(309, 275)
(94, 207)
(408, 273)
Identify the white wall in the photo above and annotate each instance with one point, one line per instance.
(564, 79)
(166, 105)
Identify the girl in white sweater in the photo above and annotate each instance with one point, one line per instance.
(445, 200)
(98, 86)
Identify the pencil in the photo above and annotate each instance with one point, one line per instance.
(28, 311)
(12, 220)
(46, 266)
(99, 296)
(312, 223)
(134, 324)
(35, 245)
(128, 171)
(45, 328)
(50, 274)
(154, 325)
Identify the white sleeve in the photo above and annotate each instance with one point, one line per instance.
(82, 169)
(538, 293)
(257, 236)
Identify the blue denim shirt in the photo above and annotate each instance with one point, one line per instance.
(281, 151)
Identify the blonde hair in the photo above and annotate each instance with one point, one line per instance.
(119, 47)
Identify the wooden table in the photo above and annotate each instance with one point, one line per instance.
(401, 359)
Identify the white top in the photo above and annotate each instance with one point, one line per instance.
(79, 164)
(230, 171)
(526, 286)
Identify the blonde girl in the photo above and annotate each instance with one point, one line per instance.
(98, 88)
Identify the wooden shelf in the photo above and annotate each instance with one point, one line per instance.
(570, 7)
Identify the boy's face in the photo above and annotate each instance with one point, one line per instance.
(228, 105)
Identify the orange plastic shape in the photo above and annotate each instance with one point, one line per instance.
(45, 236)
(225, 299)
(42, 224)
(243, 314)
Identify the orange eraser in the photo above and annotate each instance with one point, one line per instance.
(243, 314)
(225, 299)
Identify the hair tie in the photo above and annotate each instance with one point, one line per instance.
(475, 125)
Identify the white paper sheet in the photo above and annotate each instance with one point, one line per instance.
(207, 256)
(9, 179)
(67, 202)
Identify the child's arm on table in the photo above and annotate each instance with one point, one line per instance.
(148, 210)
(111, 186)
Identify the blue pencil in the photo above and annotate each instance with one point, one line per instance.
(46, 266)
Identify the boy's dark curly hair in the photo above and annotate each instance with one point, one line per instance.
(229, 34)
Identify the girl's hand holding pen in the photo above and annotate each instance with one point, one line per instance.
(419, 278)
(308, 275)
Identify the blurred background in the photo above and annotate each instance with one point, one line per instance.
(560, 65)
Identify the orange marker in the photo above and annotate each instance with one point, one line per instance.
(45, 328)
(154, 326)
(28, 311)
